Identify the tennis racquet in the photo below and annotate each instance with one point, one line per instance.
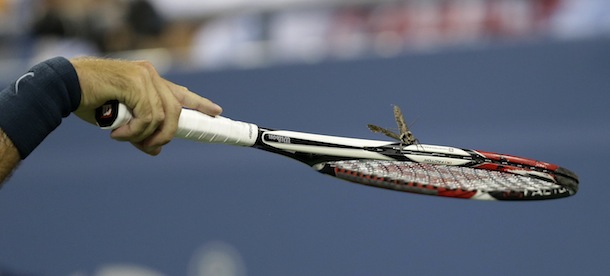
(416, 168)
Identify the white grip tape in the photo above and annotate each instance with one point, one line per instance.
(200, 127)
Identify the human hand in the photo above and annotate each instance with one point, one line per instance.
(156, 103)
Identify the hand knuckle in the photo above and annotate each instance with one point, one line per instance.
(159, 118)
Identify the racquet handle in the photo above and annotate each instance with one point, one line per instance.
(192, 125)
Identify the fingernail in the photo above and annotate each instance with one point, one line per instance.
(218, 108)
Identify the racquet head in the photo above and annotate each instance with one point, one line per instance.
(455, 181)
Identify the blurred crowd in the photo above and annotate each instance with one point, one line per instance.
(240, 33)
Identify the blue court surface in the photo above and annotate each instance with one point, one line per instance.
(83, 204)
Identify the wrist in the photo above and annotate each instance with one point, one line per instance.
(34, 105)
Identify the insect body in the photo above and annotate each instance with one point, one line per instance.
(405, 137)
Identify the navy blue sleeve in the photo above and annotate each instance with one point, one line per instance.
(34, 105)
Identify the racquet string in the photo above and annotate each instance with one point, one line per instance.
(380, 172)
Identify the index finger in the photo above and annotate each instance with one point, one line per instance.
(193, 101)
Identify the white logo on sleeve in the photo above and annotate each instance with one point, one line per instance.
(30, 74)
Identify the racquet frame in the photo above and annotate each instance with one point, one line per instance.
(325, 154)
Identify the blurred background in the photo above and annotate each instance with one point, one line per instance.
(523, 77)
(211, 35)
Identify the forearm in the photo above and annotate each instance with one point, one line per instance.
(32, 107)
(9, 157)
